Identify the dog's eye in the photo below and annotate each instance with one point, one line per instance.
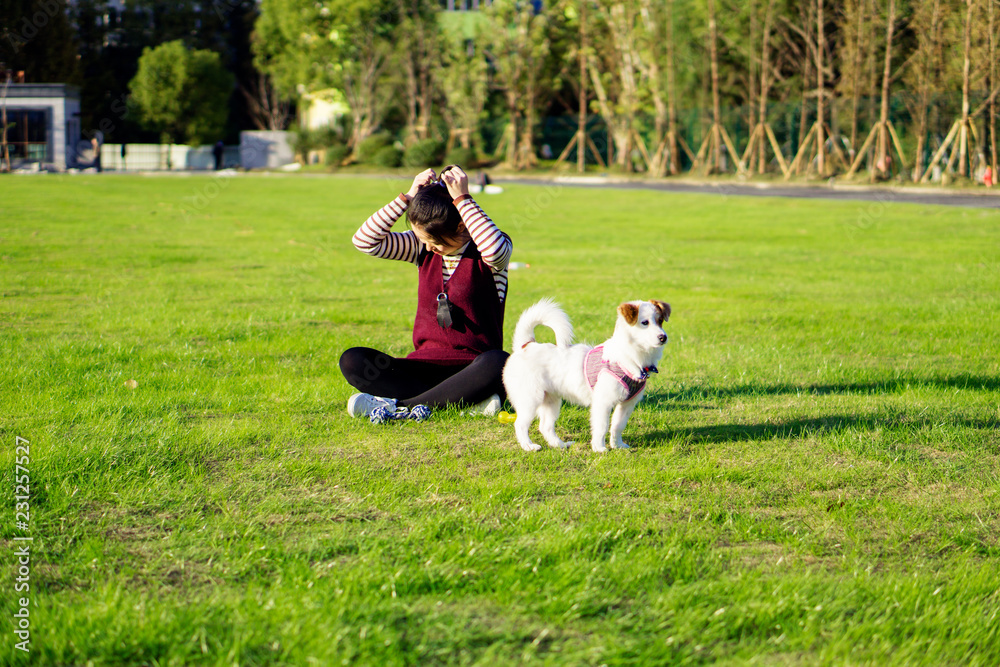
(645, 323)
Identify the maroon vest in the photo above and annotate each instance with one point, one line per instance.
(476, 310)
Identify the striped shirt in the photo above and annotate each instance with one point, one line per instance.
(376, 239)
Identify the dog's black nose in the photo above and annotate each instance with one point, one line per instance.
(663, 338)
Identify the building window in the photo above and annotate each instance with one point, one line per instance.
(28, 134)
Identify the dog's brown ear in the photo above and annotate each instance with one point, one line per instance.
(630, 312)
(664, 309)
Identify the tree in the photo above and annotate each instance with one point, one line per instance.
(991, 124)
(306, 46)
(855, 51)
(661, 68)
(524, 47)
(419, 41)
(463, 77)
(710, 153)
(579, 56)
(617, 77)
(110, 39)
(965, 129)
(756, 150)
(284, 39)
(366, 49)
(924, 76)
(182, 93)
(883, 131)
(36, 38)
(266, 108)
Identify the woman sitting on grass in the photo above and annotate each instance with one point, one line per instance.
(461, 258)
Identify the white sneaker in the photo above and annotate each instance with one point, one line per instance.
(488, 408)
(362, 405)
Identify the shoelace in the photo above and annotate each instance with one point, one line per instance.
(381, 414)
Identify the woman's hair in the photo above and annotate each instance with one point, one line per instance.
(433, 211)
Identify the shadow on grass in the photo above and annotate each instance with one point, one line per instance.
(874, 388)
(818, 426)
(684, 397)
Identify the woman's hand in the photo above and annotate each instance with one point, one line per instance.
(456, 180)
(420, 180)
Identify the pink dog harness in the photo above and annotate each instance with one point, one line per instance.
(594, 363)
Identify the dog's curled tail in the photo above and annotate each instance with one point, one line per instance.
(547, 313)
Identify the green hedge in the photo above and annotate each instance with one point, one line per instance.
(463, 157)
(388, 156)
(370, 146)
(424, 153)
(336, 154)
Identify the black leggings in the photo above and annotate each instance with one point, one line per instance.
(412, 382)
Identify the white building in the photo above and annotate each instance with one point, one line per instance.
(43, 121)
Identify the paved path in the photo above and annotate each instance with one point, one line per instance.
(910, 195)
(841, 192)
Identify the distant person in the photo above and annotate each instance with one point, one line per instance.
(218, 151)
(988, 176)
(124, 153)
(95, 145)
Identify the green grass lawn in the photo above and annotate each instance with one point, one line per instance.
(813, 479)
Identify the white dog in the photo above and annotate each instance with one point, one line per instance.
(610, 376)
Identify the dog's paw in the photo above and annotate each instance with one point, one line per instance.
(530, 447)
(561, 444)
(598, 447)
(621, 445)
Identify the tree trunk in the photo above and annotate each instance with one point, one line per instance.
(752, 77)
(963, 146)
(820, 111)
(621, 20)
(882, 164)
(991, 125)
(807, 64)
(716, 160)
(872, 67)
(765, 83)
(581, 121)
(526, 147)
(675, 160)
(511, 158)
(426, 95)
(661, 112)
(361, 90)
(408, 28)
(928, 77)
(617, 128)
(856, 74)
(419, 96)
